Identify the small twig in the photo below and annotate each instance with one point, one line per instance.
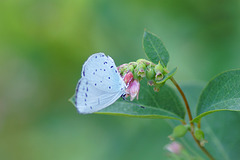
(190, 119)
(185, 101)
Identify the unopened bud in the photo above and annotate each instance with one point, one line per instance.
(174, 147)
(131, 68)
(158, 77)
(159, 72)
(133, 89)
(135, 75)
(141, 69)
(159, 68)
(122, 68)
(179, 131)
(156, 89)
(157, 86)
(128, 78)
(150, 83)
(199, 134)
(150, 73)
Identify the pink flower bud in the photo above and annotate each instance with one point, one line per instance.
(133, 89)
(174, 147)
(128, 78)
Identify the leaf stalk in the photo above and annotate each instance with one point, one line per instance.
(190, 119)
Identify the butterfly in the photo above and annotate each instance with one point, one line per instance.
(100, 85)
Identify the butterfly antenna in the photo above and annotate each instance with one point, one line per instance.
(125, 99)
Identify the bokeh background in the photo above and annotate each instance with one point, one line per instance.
(43, 45)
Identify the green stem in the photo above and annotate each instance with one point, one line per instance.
(190, 119)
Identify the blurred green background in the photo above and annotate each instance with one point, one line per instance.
(43, 45)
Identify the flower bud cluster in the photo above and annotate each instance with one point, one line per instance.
(142, 68)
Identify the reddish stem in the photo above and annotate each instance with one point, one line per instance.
(190, 119)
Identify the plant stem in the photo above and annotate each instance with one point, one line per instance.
(190, 119)
(185, 101)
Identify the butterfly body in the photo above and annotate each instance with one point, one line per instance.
(100, 84)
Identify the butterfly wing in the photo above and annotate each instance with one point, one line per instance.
(90, 99)
(100, 85)
(102, 73)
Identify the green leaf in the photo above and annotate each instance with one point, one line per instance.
(221, 129)
(162, 104)
(154, 49)
(169, 75)
(221, 93)
(222, 133)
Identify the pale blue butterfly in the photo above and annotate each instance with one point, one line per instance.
(100, 85)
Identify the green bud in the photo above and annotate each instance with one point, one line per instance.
(179, 131)
(151, 83)
(140, 60)
(159, 68)
(135, 75)
(131, 68)
(159, 77)
(159, 72)
(157, 86)
(150, 73)
(122, 68)
(141, 69)
(199, 134)
(134, 64)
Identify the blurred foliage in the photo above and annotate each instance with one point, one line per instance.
(43, 45)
